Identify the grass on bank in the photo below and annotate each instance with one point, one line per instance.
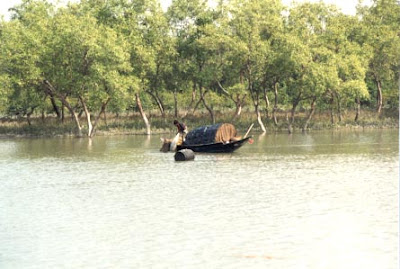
(133, 124)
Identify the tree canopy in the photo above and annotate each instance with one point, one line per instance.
(94, 55)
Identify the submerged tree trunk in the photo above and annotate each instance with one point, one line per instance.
(143, 114)
(275, 104)
(88, 119)
(259, 119)
(312, 110)
(92, 127)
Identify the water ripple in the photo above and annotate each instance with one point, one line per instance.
(130, 206)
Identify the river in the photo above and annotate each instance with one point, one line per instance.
(327, 199)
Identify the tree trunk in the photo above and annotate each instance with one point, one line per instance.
(358, 109)
(55, 107)
(62, 113)
(275, 104)
(209, 109)
(105, 117)
(189, 107)
(28, 116)
(144, 117)
(339, 107)
(199, 101)
(175, 104)
(43, 116)
(332, 115)
(80, 113)
(259, 120)
(292, 114)
(88, 119)
(102, 111)
(158, 102)
(331, 105)
(238, 110)
(266, 99)
(238, 102)
(379, 95)
(50, 88)
(255, 97)
(76, 119)
(312, 110)
(196, 106)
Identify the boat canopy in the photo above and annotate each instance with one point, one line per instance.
(221, 132)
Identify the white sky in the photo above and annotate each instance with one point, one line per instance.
(347, 6)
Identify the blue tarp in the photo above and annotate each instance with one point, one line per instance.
(202, 135)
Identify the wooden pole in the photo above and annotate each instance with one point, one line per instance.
(248, 130)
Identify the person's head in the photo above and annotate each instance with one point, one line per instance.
(176, 122)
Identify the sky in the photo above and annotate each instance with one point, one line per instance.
(347, 6)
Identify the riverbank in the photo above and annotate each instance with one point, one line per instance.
(133, 124)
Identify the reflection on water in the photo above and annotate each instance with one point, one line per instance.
(324, 200)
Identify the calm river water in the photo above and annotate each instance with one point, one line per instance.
(322, 200)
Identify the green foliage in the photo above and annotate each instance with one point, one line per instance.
(109, 50)
(20, 91)
(380, 32)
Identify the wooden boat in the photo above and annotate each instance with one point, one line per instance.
(217, 138)
(218, 147)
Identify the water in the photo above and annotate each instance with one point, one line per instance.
(323, 200)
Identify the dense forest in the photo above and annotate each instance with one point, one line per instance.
(77, 62)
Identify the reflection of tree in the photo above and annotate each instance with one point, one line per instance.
(89, 144)
(262, 136)
(147, 141)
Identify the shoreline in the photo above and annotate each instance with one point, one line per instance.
(23, 133)
(128, 125)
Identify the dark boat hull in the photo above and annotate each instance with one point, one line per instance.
(216, 147)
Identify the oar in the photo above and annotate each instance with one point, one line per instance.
(248, 130)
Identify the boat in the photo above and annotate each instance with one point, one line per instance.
(217, 138)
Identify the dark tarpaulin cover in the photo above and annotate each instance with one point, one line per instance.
(211, 134)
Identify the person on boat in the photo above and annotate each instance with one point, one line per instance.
(182, 129)
(180, 136)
